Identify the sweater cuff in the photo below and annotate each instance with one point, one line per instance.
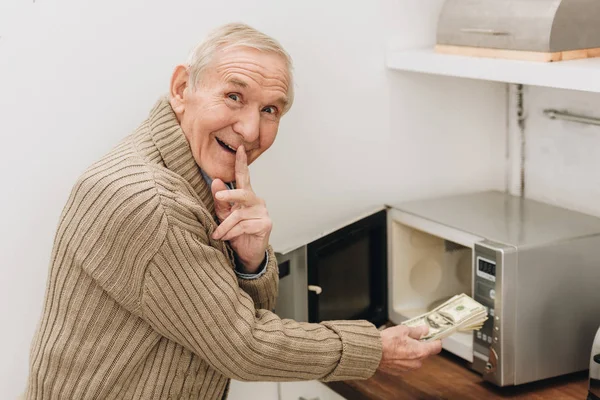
(256, 275)
(263, 289)
(361, 350)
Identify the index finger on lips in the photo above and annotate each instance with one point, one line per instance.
(242, 174)
(238, 196)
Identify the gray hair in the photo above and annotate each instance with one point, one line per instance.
(236, 35)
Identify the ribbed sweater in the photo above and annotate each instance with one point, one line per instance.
(141, 302)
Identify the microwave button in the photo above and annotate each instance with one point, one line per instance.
(492, 294)
(478, 335)
(489, 339)
(492, 312)
(484, 337)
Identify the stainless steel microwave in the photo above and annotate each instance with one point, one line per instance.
(536, 267)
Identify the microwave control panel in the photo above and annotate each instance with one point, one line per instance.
(485, 293)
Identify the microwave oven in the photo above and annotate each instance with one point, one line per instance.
(341, 275)
(536, 268)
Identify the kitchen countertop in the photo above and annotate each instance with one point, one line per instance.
(446, 376)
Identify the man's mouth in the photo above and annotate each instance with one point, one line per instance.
(227, 147)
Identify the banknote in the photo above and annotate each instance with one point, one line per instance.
(459, 314)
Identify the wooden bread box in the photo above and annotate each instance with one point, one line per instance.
(533, 30)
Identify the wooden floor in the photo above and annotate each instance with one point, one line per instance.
(446, 376)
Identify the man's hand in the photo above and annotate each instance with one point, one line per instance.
(245, 220)
(402, 350)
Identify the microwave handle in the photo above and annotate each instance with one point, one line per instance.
(315, 288)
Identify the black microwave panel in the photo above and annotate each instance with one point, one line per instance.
(350, 266)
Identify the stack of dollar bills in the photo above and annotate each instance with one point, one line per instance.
(459, 314)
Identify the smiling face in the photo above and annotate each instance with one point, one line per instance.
(239, 100)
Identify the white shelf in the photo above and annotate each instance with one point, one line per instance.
(581, 75)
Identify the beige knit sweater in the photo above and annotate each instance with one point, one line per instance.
(141, 303)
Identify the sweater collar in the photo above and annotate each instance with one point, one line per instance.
(175, 150)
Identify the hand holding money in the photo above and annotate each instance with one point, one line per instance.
(459, 314)
(402, 351)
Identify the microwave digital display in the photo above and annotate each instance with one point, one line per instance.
(487, 267)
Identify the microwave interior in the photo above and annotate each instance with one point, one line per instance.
(427, 270)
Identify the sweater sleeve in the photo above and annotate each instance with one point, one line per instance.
(263, 290)
(191, 296)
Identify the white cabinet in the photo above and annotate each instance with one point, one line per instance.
(253, 391)
(307, 390)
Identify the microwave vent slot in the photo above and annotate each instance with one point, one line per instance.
(452, 247)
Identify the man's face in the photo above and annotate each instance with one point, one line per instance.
(238, 101)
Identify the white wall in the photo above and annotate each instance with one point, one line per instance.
(447, 135)
(386, 136)
(75, 77)
(562, 163)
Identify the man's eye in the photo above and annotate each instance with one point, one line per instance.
(234, 97)
(270, 110)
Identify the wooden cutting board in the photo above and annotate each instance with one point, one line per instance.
(518, 54)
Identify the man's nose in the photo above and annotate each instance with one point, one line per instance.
(248, 126)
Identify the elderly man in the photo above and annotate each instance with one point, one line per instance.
(162, 278)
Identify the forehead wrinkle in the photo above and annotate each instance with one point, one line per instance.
(241, 61)
(248, 66)
(247, 71)
(261, 80)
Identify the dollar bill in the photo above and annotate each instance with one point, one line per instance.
(459, 314)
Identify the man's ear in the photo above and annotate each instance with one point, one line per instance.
(179, 84)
